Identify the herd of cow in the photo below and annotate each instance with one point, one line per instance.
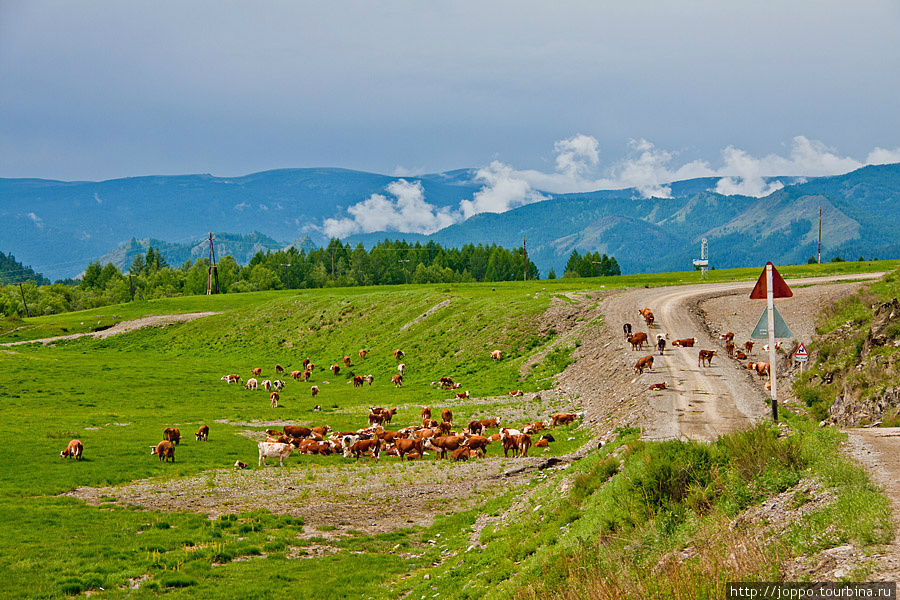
(704, 357)
(407, 443)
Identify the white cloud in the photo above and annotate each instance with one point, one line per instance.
(406, 212)
(882, 156)
(504, 188)
(98, 198)
(39, 222)
(242, 206)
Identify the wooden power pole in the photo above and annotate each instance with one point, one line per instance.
(24, 301)
(212, 279)
(524, 260)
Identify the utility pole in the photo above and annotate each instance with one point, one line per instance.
(212, 279)
(282, 271)
(819, 255)
(404, 260)
(25, 302)
(596, 262)
(524, 260)
(131, 284)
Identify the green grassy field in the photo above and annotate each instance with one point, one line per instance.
(118, 394)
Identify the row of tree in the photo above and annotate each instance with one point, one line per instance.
(337, 264)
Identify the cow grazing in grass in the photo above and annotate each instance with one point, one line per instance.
(496, 354)
(314, 390)
(357, 380)
(645, 362)
(274, 398)
(278, 385)
(296, 375)
(426, 412)
(398, 354)
(251, 384)
(279, 369)
(266, 385)
(257, 371)
(397, 380)
(638, 340)
(363, 353)
(369, 379)
(475, 427)
(447, 415)
(335, 369)
(274, 450)
(705, 358)
(347, 361)
(172, 434)
(361, 447)
(203, 433)
(75, 449)
(401, 369)
(685, 343)
(165, 450)
(516, 393)
(561, 419)
(462, 395)
(232, 378)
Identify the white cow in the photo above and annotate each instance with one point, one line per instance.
(401, 368)
(267, 385)
(347, 442)
(274, 450)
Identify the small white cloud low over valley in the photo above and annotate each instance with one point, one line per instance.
(645, 168)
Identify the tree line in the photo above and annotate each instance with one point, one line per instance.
(335, 265)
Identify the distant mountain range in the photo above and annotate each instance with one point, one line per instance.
(57, 227)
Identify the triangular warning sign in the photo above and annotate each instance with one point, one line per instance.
(779, 288)
(761, 331)
(801, 350)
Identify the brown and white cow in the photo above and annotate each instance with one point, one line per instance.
(75, 449)
(648, 316)
(251, 384)
(492, 423)
(274, 450)
(274, 398)
(335, 369)
(366, 446)
(645, 362)
(739, 355)
(729, 349)
(657, 386)
(357, 380)
(728, 337)
(516, 393)
(369, 379)
(405, 446)
(562, 418)
(748, 347)
(257, 371)
(363, 353)
(347, 361)
(398, 354)
(478, 442)
(296, 375)
(429, 423)
(462, 395)
(475, 427)
(685, 343)
(496, 354)
(443, 444)
(426, 412)
(763, 369)
(314, 390)
(638, 340)
(202, 433)
(397, 380)
(232, 378)
(705, 358)
(401, 369)
(297, 431)
(266, 385)
(523, 443)
(165, 450)
(447, 415)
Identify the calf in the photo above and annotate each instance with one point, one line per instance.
(627, 329)
(533, 427)
(658, 386)
(251, 384)
(364, 446)
(274, 398)
(462, 395)
(274, 450)
(314, 390)
(444, 427)
(321, 430)
(740, 355)
(685, 343)
(165, 450)
(257, 371)
(648, 316)
(306, 362)
(347, 361)
(541, 443)
(447, 415)
(426, 412)
(74, 449)
(777, 346)
(398, 354)
(509, 443)
(705, 358)
(643, 363)
(638, 340)
(397, 380)
(172, 434)
(561, 419)
(203, 433)
(496, 354)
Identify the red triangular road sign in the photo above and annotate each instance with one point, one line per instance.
(779, 288)
(801, 350)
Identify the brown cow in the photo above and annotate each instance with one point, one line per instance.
(335, 369)
(638, 340)
(203, 433)
(427, 423)
(478, 442)
(462, 395)
(729, 349)
(321, 430)
(405, 446)
(358, 380)
(516, 393)
(706, 357)
(533, 427)
(509, 443)
(447, 415)
(740, 355)
(496, 354)
(444, 427)
(443, 444)
(306, 375)
(172, 434)
(523, 443)
(658, 386)
(475, 427)
(376, 418)
(562, 419)
(75, 449)
(542, 443)
(297, 431)
(398, 354)
(685, 343)
(257, 371)
(232, 378)
(748, 347)
(763, 369)
(274, 398)
(648, 316)
(279, 369)
(363, 446)
(397, 380)
(296, 375)
(314, 390)
(492, 423)
(305, 362)
(644, 363)
(728, 337)
(461, 453)
(347, 361)
(426, 412)
(362, 353)
(165, 450)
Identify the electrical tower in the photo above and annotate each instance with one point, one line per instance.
(212, 280)
(703, 261)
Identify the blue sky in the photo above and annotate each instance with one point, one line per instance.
(560, 95)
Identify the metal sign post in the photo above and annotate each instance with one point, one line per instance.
(773, 369)
(801, 356)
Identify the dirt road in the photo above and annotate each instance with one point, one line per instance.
(700, 403)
